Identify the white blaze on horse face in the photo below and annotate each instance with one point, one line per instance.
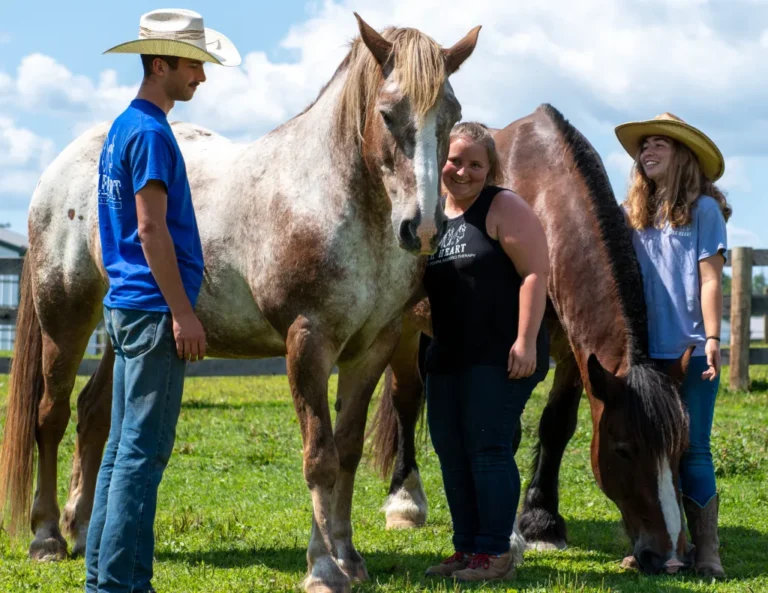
(668, 499)
(427, 177)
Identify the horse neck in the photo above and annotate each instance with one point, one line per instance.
(583, 283)
(308, 147)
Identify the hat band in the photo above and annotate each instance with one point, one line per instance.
(188, 35)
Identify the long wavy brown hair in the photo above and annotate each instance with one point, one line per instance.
(656, 204)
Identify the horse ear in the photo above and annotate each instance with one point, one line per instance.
(379, 47)
(602, 381)
(455, 56)
(679, 369)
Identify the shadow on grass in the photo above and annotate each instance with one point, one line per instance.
(194, 404)
(593, 543)
(391, 566)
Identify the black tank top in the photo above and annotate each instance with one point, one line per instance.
(474, 292)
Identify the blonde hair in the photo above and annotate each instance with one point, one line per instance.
(419, 69)
(480, 134)
(651, 204)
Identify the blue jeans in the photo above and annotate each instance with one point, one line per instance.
(697, 472)
(146, 401)
(472, 416)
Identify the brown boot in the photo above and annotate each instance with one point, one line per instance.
(484, 567)
(447, 567)
(702, 523)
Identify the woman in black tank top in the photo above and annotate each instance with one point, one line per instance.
(487, 289)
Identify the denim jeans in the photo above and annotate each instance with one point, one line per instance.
(472, 416)
(146, 401)
(697, 472)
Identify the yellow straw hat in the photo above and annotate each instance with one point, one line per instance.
(711, 160)
(179, 32)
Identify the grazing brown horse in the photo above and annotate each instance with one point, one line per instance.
(597, 323)
(311, 237)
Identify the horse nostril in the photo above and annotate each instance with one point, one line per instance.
(650, 562)
(408, 238)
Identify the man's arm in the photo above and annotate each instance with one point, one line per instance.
(157, 244)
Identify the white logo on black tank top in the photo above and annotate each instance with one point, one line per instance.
(451, 246)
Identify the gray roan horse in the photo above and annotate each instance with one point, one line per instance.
(598, 326)
(312, 238)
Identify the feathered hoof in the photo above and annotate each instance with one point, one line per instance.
(540, 546)
(327, 577)
(49, 549)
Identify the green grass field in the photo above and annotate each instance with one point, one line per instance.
(234, 513)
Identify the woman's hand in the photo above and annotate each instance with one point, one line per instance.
(712, 350)
(522, 359)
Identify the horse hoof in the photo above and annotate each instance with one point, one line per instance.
(517, 546)
(355, 571)
(401, 522)
(326, 577)
(556, 546)
(50, 549)
(407, 507)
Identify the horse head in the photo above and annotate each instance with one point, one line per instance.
(406, 109)
(638, 440)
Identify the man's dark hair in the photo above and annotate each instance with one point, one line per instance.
(146, 61)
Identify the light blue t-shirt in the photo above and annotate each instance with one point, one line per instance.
(141, 147)
(669, 261)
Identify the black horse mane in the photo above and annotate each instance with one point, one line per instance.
(654, 411)
(613, 228)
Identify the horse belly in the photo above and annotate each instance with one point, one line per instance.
(234, 325)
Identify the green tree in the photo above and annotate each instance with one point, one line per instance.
(758, 283)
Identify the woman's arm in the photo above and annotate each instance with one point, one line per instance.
(710, 275)
(514, 224)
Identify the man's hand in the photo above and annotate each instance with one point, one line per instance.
(190, 337)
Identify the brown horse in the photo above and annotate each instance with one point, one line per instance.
(597, 323)
(311, 237)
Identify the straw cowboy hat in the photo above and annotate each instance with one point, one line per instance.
(711, 160)
(179, 32)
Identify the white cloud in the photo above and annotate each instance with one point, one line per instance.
(741, 237)
(23, 156)
(45, 86)
(736, 177)
(605, 59)
(600, 62)
(20, 147)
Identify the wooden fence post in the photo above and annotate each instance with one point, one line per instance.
(741, 310)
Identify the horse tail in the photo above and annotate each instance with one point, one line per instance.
(17, 455)
(384, 429)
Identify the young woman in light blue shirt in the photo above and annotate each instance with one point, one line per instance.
(678, 218)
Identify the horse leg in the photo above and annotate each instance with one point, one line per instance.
(403, 399)
(357, 382)
(309, 360)
(61, 357)
(540, 521)
(93, 421)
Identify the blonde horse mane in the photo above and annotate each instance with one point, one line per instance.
(419, 69)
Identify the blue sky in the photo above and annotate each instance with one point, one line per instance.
(600, 62)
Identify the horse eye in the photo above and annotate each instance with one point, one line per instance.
(623, 451)
(387, 118)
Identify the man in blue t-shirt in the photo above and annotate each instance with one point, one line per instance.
(152, 254)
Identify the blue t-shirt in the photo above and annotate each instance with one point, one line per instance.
(141, 147)
(669, 261)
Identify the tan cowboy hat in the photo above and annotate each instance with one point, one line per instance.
(711, 160)
(179, 32)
